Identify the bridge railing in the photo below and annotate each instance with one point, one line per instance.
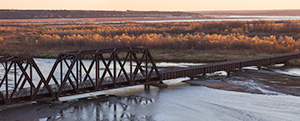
(228, 65)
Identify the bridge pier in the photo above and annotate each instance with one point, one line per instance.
(191, 77)
(258, 67)
(241, 69)
(228, 73)
(147, 87)
(159, 85)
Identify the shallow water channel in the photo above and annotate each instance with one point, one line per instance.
(254, 99)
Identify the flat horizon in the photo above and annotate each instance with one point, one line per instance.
(153, 5)
(155, 10)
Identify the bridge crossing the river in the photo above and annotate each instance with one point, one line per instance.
(21, 79)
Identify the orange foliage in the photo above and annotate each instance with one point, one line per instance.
(261, 36)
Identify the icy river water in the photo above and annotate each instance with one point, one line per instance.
(179, 102)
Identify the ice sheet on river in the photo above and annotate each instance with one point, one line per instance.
(202, 103)
(192, 103)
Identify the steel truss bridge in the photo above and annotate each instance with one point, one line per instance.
(21, 80)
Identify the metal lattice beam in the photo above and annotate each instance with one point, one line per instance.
(18, 84)
(105, 69)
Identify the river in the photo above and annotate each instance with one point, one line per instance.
(180, 101)
(228, 18)
(215, 18)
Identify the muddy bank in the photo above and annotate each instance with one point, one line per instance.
(264, 81)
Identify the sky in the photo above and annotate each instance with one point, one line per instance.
(144, 5)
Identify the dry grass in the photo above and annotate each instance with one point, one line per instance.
(294, 62)
(202, 56)
(176, 42)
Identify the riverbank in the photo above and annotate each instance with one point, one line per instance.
(159, 55)
(270, 81)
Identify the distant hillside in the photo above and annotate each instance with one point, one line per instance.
(253, 12)
(42, 14)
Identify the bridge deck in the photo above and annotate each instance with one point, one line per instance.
(227, 66)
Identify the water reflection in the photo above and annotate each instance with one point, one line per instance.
(102, 108)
